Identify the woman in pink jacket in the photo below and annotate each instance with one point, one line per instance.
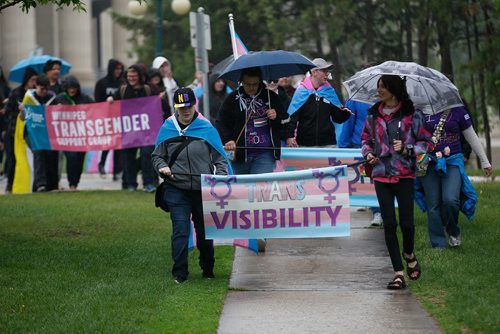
(394, 134)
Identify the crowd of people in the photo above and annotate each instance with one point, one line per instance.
(243, 134)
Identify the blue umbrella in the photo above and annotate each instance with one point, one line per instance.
(37, 63)
(273, 64)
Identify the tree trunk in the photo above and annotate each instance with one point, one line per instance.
(408, 31)
(370, 33)
(482, 91)
(423, 35)
(444, 42)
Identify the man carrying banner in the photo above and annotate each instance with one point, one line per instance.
(187, 146)
(72, 95)
(45, 162)
(133, 88)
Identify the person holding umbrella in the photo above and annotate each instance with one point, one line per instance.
(249, 123)
(393, 135)
(52, 70)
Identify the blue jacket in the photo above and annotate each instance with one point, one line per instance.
(468, 197)
(350, 136)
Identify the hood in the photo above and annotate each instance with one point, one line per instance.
(158, 61)
(28, 74)
(112, 64)
(71, 81)
(139, 69)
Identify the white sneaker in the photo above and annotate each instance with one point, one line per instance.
(377, 219)
(454, 241)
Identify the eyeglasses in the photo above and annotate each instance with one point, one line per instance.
(273, 81)
(251, 84)
(42, 88)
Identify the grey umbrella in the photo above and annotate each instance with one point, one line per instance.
(430, 90)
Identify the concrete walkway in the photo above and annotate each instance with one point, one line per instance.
(329, 285)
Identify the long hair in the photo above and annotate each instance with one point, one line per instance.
(396, 85)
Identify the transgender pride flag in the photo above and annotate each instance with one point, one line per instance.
(239, 48)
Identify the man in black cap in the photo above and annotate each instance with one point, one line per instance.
(187, 146)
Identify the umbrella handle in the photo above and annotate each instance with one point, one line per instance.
(269, 97)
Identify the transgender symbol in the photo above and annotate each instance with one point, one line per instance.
(221, 197)
(321, 176)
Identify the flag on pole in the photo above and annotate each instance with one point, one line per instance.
(238, 47)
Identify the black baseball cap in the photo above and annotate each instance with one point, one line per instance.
(184, 97)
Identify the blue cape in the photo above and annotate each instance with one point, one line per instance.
(199, 128)
(303, 92)
(468, 197)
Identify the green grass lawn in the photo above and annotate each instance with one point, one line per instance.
(98, 262)
(460, 287)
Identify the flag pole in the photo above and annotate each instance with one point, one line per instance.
(233, 36)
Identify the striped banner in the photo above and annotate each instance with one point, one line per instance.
(361, 189)
(96, 126)
(298, 204)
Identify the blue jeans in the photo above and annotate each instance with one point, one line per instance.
(442, 197)
(262, 163)
(185, 205)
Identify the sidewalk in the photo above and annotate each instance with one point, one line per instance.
(328, 285)
(87, 182)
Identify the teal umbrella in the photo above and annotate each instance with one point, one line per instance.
(37, 63)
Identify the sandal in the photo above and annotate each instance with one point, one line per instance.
(413, 273)
(397, 283)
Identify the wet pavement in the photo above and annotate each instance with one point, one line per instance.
(325, 285)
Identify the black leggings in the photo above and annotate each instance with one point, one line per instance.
(403, 191)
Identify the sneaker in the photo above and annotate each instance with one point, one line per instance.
(208, 274)
(454, 241)
(41, 189)
(131, 189)
(149, 188)
(179, 280)
(377, 219)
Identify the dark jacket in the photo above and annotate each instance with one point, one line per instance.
(108, 85)
(314, 120)
(15, 98)
(231, 119)
(64, 98)
(216, 98)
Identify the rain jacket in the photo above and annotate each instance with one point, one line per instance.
(393, 165)
(231, 119)
(108, 85)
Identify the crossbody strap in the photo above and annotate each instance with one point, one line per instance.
(178, 150)
(439, 127)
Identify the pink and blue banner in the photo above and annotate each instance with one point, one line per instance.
(361, 189)
(297, 204)
(95, 127)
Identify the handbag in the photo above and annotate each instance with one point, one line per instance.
(366, 168)
(422, 160)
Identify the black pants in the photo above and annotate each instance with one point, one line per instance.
(46, 169)
(74, 167)
(403, 192)
(10, 160)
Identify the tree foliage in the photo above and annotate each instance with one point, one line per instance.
(457, 37)
(26, 5)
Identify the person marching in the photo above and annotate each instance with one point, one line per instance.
(186, 147)
(393, 135)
